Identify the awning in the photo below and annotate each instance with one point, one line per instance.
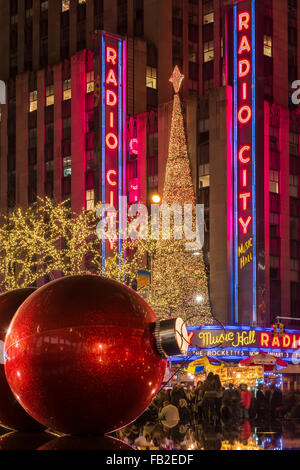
(263, 359)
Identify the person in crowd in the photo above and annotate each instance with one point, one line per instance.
(184, 412)
(169, 415)
(246, 401)
(210, 395)
(177, 393)
(275, 401)
(218, 399)
(260, 402)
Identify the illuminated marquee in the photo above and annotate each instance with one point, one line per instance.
(239, 342)
(113, 63)
(240, 66)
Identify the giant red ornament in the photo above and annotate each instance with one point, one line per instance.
(81, 355)
(12, 415)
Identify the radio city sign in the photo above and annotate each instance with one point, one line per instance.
(241, 151)
(242, 337)
(113, 131)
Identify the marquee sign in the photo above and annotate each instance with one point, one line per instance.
(241, 75)
(233, 342)
(114, 144)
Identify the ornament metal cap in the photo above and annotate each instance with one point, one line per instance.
(171, 337)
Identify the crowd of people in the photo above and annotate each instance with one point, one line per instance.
(188, 414)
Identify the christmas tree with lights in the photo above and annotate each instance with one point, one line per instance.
(179, 282)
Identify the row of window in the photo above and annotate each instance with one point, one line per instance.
(66, 91)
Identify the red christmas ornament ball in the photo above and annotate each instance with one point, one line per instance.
(12, 415)
(81, 355)
(85, 443)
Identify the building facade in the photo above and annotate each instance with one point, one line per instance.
(51, 137)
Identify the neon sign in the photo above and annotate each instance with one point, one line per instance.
(234, 342)
(240, 72)
(113, 117)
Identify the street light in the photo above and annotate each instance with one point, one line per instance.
(156, 198)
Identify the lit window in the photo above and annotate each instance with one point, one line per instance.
(14, 19)
(44, 5)
(294, 186)
(204, 178)
(274, 181)
(151, 77)
(222, 47)
(90, 85)
(90, 199)
(268, 46)
(67, 163)
(65, 5)
(203, 125)
(208, 11)
(67, 90)
(32, 101)
(29, 13)
(81, 1)
(208, 51)
(49, 95)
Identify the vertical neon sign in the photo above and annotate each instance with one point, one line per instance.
(242, 214)
(113, 118)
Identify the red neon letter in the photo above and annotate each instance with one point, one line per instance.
(245, 224)
(286, 341)
(245, 178)
(244, 19)
(111, 198)
(111, 119)
(111, 78)
(133, 143)
(112, 141)
(244, 91)
(245, 46)
(264, 339)
(241, 154)
(111, 55)
(244, 119)
(108, 177)
(245, 197)
(244, 68)
(275, 342)
(111, 98)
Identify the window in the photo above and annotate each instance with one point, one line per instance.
(49, 133)
(65, 5)
(274, 138)
(151, 77)
(67, 128)
(294, 141)
(32, 101)
(90, 85)
(208, 11)
(208, 51)
(32, 138)
(274, 181)
(294, 228)
(44, 5)
(67, 89)
(275, 267)
(90, 199)
(203, 125)
(268, 46)
(81, 1)
(29, 13)
(295, 270)
(207, 85)
(294, 186)
(49, 95)
(14, 19)
(204, 178)
(274, 224)
(67, 164)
